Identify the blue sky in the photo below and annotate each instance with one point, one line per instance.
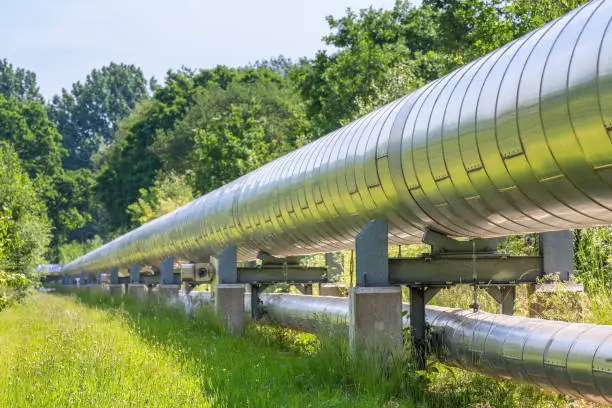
(63, 40)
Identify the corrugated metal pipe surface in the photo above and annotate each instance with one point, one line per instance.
(516, 141)
(569, 358)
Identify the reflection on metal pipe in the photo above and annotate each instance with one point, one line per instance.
(516, 141)
(569, 358)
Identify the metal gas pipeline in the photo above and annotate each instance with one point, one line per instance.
(516, 141)
(569, 358)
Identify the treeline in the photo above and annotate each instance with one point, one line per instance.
(118, 149)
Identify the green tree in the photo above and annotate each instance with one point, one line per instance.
(73, 249)
(68, 196)
(25, 125)
(24, 229)
(169, 192)
(145, 141)
(238, 129)
(369, 45)
(18, 82)
(87, 116)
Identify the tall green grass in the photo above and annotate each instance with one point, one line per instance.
(92, 350)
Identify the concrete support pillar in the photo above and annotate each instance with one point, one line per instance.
(229, 304)
(114, 276)
(375, 319)
(117, 290)
(99, 278)
(229, 294)
(138, 291)
(375, 307)
(167, 271)
(135, 273)
(81, 280)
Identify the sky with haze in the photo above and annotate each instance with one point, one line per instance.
(63, 40)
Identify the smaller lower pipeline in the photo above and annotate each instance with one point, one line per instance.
(569, 358)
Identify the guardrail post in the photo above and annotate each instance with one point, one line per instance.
(375, 309)
(229, 294)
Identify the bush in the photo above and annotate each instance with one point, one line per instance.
(24, 229)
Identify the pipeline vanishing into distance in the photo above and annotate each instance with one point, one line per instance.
(569, 358)
(517, 141)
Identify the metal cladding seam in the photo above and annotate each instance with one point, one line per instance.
(514, 142)
(570, 358)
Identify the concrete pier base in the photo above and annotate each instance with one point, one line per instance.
(116, 290)
(375, 319)
(229, 304)
(138, 290)
(333, 289)
(166, 291)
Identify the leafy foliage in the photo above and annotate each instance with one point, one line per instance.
(88, 115)
(593, 257)
(74, 249)
(24, 230)
(18, 83)
(235, 130)
(169, 192)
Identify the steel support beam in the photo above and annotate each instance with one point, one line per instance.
(371, 254)
(269, 274)
(504, 296)
(557, 252)
(135, 273)
(114, 276)
(452, 269)
(167, 271)
(227, 269)
(257, 311)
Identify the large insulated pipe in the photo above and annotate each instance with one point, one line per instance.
(516, 141)
(569, 358)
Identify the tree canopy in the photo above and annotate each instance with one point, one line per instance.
(87, 116)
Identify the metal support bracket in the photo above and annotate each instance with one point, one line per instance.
(372, 253)
(135, 273)
(167, 271)
(257, 310)
(454, 262)
(114, 276)
(504, 296)
(280, 270)
(557, 253)
(419, 297)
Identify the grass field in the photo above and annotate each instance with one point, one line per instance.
(91, 350)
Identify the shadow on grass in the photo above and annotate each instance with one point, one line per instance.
(272, 366)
